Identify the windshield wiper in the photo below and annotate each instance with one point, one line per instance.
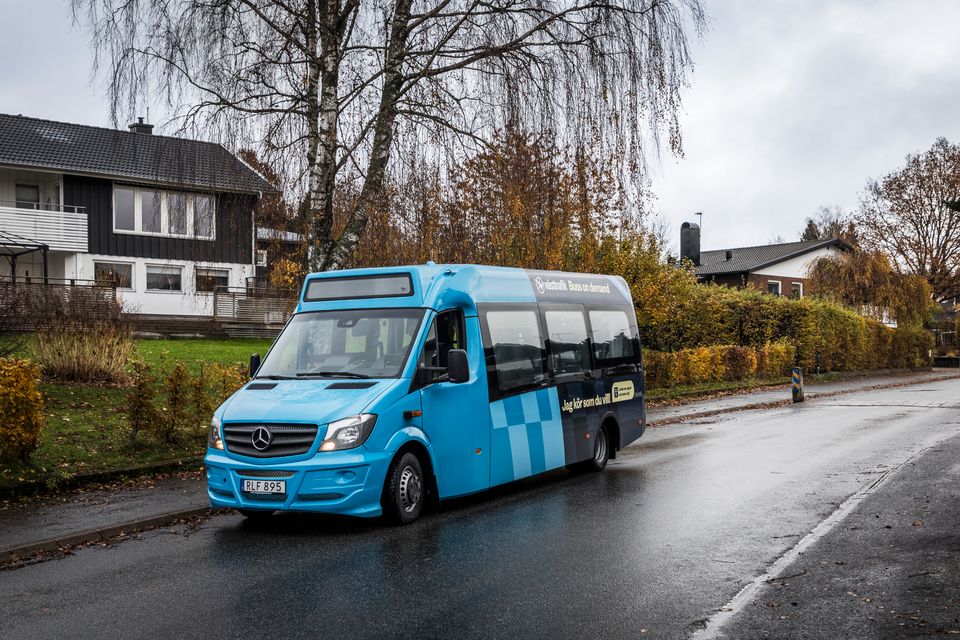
(275, 377)
(331, 374)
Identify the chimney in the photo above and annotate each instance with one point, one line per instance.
(140, 127)
(690, 242)
(729, 255)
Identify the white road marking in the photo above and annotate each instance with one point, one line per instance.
(714, 625)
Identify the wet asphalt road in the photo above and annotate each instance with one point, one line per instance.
(651, 548)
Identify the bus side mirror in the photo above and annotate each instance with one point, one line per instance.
(254, 364)
(458, 370)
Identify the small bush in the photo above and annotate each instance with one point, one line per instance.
(778, 357)
(175, 415)
(21, 408)
(658, 369)
(142, 411)
(85, 342)
(739, 363)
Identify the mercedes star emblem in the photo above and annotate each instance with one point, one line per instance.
(260, 438)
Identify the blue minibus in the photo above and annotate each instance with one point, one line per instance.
(393, 388)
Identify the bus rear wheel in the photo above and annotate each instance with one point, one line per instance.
(404, 491)
(601, 452)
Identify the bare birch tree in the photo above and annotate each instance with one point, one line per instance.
(341, 89)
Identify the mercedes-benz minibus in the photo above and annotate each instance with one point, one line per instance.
(393, 388)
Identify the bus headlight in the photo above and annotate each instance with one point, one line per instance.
(348, 433)
(213, 436)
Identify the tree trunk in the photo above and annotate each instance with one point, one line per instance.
(341, 251)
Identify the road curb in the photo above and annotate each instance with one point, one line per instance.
(22, 552)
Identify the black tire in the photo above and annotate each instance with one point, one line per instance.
(601, 452)
(256, 515)
(404, 491)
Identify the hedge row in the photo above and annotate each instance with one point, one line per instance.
(885, 349)
(716, 364)
(826, 336)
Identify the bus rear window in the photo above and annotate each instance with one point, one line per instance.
(356, 287)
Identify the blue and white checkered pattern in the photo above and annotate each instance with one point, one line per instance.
(527, 435)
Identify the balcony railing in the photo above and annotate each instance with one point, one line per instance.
(60, 227)
(40, 206)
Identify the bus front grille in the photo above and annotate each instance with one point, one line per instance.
(260, 440)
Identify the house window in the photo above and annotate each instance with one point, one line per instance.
(261, 257)
(209, 279)
(796, 290)
(203, 212)
(118, 273)
(164, 278)
(177, 214)
(166, 213)
(124, 209)
(27, 196)
(773, 286)
(151, 211)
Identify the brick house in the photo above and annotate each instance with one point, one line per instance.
(778, 269)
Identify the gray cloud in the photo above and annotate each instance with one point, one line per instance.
(795, 104)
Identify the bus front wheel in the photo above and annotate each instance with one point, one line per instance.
(405, 490)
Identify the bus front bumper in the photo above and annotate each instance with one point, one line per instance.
(342, 482)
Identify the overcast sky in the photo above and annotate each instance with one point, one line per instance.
(794, 103)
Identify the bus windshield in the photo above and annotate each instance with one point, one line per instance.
(359, 343)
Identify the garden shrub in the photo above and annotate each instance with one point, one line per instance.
(84, 340)
(187, 404)
(142, 412)
(739, 363)
(21, 408)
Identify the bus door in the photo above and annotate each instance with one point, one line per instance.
(454, 415)
(526, 426)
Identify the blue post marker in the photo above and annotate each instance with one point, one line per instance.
(797, 380)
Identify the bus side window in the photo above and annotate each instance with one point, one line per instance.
(567, 332)
(612, 336)
(517, 348)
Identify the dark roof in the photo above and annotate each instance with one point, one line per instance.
(747, 259)
(77, 148)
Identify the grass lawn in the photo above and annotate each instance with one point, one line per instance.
(86, 428)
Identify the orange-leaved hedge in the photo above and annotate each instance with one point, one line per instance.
(717, 363)
(826, 336)
(21, 408)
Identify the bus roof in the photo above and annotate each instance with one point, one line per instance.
(440, 286)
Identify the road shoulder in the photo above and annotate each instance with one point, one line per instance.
(890, 569)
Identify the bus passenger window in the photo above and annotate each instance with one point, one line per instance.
(517, 350)
(567, 331)
(612, 335)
